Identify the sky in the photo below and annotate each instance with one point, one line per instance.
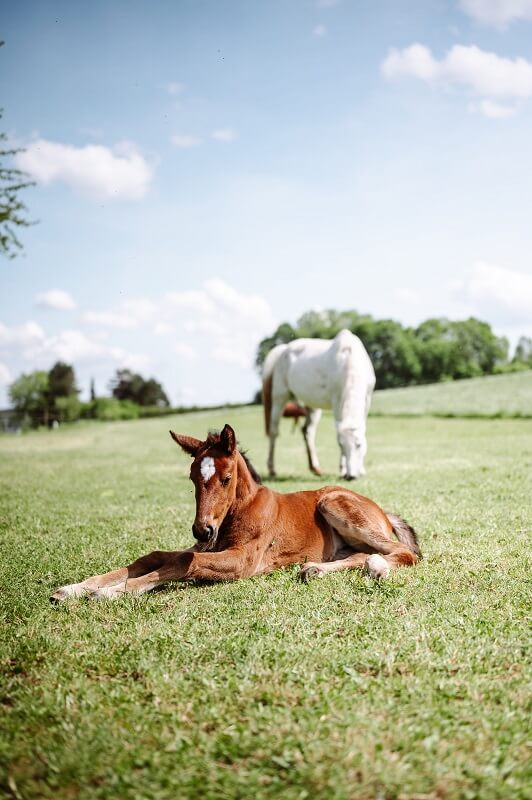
(207, 169)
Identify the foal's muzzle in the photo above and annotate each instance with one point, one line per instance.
(204, 533)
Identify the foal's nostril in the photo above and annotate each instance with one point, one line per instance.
(203, 532)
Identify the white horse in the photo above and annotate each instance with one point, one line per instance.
(322, 373)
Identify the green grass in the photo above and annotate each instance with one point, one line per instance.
(493, 396)
(416, 687)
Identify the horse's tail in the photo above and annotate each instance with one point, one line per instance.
(405, 533)
(267, 381)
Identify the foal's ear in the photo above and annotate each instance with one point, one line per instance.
(228, 440)
(188, 443)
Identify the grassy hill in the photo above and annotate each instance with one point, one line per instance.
(491, 396)
(342, 689)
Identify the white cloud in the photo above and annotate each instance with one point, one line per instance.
(186, 141)
(497, 13)
(500, 294)
(224, 135)
(163, 329)
(141, 308)
(319, 31)
(56, 299)
(493, 110)
(227, 322)
(109, 319)
(484, 73)
(185, 350)
(94, 169)
(27, 334)
(131, 312)
(5, 375)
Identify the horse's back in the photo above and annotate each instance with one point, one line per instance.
(317, 370)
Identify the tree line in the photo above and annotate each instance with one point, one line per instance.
(436, 350)
(47, 398)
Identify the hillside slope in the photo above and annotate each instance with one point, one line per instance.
(490, 396)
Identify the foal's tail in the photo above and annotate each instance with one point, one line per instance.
(267, 381)
(405, 533)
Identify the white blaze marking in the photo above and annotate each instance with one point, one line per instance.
(207, 468)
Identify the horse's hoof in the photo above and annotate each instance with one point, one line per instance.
(310, 572)
(377, 567)
(59, 596)
(350, 477)
(317, 472)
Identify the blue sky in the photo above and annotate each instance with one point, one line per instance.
(206, 170)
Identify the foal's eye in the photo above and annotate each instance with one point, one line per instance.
(226, 480)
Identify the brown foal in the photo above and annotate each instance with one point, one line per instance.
(243, 528)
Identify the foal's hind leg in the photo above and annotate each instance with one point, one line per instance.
(365, 527)
(315, 569)
(138, 568)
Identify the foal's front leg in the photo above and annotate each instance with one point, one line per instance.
(141, 566)
(172, 566)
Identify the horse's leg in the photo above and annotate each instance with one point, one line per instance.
(364, 442)
(141, 566)
(314, 569)
(343, 464)
(364, 526)
(185, 565)
(309, 434)
(278, 402)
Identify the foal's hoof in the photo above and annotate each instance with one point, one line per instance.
(309, 572)
(377, 567)
(59, 596)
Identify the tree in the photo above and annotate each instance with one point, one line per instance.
(127, 385)
(62, 381)
(29, 394)
(12, 210)
(63, 402)
(438, 349)
(523, 352)
(284, 334)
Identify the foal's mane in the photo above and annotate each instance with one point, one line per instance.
(213, 440)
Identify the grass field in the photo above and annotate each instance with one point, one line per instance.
(416, 687)
(491, 396)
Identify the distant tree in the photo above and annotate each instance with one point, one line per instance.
(127, 385)
(152, 394)
(285, 333)
(12, 210)
(458, 349)
(62, 381)
(29, 394)
(392, 351)
(523, 352)
(63, 402)
(438, 349)
(92, 390)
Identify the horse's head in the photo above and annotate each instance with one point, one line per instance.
(352, 443)
(214, 474)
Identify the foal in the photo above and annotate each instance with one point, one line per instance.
(243, 528)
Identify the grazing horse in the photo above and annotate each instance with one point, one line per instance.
(243, 528)
(322, 373)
